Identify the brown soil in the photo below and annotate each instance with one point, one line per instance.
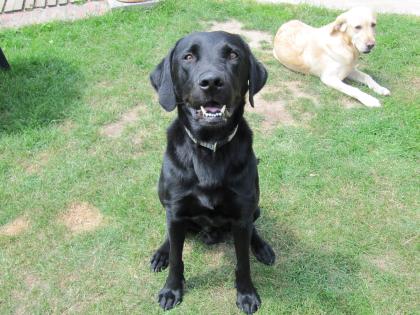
(295, 87)
(274, 112)
(40, 161)
(81, 217)
(16, 227)
(254, 38)
(115, 129)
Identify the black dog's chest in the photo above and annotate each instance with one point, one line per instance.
(210, 172)
(216, 189)
(208, 207)
(208, 218)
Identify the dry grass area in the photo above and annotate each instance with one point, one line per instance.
(15, 227)
(81, 217)
(115, 129)
(254, 38)
(274, 112)
(39, 162)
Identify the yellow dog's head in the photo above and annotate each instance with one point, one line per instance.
(358, 26)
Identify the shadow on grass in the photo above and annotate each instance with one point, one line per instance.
(37, 92)
(303, 278)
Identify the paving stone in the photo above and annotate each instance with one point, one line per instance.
(13, 5)
(115, 4)
(68, 12)
(29, 4)
(51, 3)
(40, 3)
(62, 2)
(1, 5)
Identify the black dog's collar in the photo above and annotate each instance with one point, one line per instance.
(212, 146)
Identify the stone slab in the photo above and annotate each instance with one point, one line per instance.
(40, 3)
(115, 4)
(29, 4)
(13, 5)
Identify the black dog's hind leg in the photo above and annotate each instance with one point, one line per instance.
(171, 294)
(160, 259)
(247, 298)
(261, 250)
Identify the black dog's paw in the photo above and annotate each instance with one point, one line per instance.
(264, 253)
(248, 302)
(169, 298)
(159, 261)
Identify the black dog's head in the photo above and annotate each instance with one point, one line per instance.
(207, 75)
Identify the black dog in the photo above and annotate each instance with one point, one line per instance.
(209, 178)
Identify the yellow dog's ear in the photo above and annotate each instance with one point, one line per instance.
(340, 23)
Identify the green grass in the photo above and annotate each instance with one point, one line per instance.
(339, 192)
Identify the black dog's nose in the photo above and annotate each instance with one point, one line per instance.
(370, 46)
(209, 81)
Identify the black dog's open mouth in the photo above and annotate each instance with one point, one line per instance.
(213, 111)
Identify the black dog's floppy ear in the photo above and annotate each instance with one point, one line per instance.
(161, 79)
(257, 77)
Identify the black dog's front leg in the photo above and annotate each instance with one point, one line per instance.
(247, 298)
(171, 293)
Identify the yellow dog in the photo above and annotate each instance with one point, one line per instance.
(331, 52)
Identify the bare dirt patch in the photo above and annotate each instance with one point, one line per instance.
(40, 161)
(81, 217)
(383, 263)
(350, 103)
(33, 281)
(276, 102)
(16, 227)
(416, 83)
(273, 112)
(296, 89)
(115, 129)
(390, 262)
(67, 126)
(187, 248)
(139, 137)
(255, 39)
(214, 257)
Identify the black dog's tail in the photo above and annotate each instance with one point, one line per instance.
(3, 61)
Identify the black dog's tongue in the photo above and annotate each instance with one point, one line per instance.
(212, 107)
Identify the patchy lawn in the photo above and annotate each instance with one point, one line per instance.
(81, 143)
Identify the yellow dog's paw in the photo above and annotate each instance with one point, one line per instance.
(382, 91)
(370, 101)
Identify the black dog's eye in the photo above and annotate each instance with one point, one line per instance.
(189, 57)
(233, 55)
(358, 27)
(373, 24)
